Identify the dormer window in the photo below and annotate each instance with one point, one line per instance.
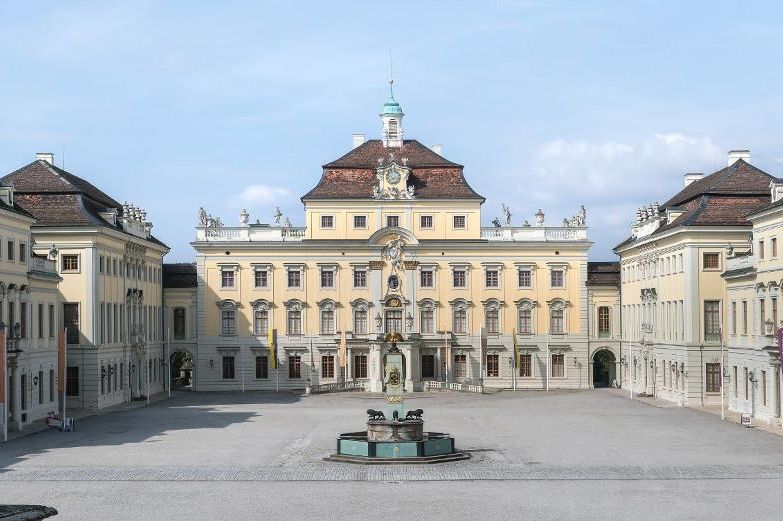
(392, 131)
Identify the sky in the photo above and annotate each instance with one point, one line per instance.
(548, 104)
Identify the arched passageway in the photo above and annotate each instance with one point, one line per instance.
(604, 368)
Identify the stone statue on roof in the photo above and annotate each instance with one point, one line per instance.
(203, 218)
(278, 215)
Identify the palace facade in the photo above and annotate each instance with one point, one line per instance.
(110, 293)
(393, 242)
(673, 291)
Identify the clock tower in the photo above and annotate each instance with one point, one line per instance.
(391, 115)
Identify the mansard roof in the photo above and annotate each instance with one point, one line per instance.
(723, 198)
(603, 274)
(353, 175)
(56, 197)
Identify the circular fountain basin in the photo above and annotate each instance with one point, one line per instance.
(431, 447)
(403, 430)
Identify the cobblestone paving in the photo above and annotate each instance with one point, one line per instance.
(446, 472)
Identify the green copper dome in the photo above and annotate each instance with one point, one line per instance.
(391, 107)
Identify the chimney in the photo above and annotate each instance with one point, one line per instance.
(45, 156)
(734, 155)
(438, 149)
(693, 176)
(358, 139)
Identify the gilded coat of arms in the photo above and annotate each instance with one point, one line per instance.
(394, 376)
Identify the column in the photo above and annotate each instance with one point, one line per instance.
(408, 352)
(376, 369)
(16, 395)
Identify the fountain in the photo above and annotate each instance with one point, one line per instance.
(394, 436)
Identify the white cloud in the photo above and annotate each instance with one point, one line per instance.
(263, 194)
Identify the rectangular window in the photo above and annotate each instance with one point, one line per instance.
(761, 250)
(51, 321)
(359, 278)
(747, 380)
(327, 221)
(327, 278)
(713, 378)
(360, 221)
(425, 221)
(526, 365)
(70, 321)
(261, 278)
(492, 321)
(51, 385)
(228, 368)
(327, 366)
(294, 367)
(556, 326)
(460, 366)
(556, 278)
(100, 263)
(428, 366)
(493, 366)
(360, 321)
(734, 318)
(460, 321)
(711, 320)
(558, 365)
(179, 323)
(40, 320)
(711, 261)
(22, 252)
(603, 321)
(736, 384)
(262, 367)
(427, 321)
(72, 381)
(11, 252)
(393, 320)
(228, 321)
(327, 321)
(774, 245)
(774, 314)
(492, 279)
(70, 263)
(392, 221)
(226, 278)
(525, 321)
(762, 315)
(744, 317)
(459, 278)
(427, 278)
(294, 278)
(525, 278)
(260, 322)
(294, 322)
(360, 366)
(764, 388)
(114, 267)
(459, 222)
(40, 387)
(103, 323)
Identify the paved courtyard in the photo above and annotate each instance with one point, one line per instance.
(562, 455)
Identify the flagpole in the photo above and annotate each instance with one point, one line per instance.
(547, 361)
(147, 371)
(722, 399)
(168, 360)
(4, 370)
(64, 375)
(516, 359)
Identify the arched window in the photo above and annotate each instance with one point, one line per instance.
(260, 317)
(327, 317)
(360, 315)
(460, 317)
(557, 317)
(427, 317)
(294, 317)
(392, 131)
(228, 317)
(492, 317)
(525, 316)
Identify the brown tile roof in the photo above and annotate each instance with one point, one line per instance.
(723, 198)
(353, 175)
(740, 178)
(180, 275)
(603, 274)
(55, 197)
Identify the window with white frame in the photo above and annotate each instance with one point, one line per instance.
(557, 277)
(460, 317)
(261, 278)
(427, 278)
(360, 313)
(425, 221)
(525, 277)
(360, 277)
(427, 317)
(294, 318)
(459, 277)
(492, 317)
(558, 365)
(492, 277)
(459, 222)
(294, 277)
(525, 313)
(360, 221)
(327, 277)
(327, 221)
(557, 317)
(228, 317)
(327, 318)
(392, 221)
(227, 277)
(70, 262)
(260, 318)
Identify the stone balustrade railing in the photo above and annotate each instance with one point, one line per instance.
(452, 386)
(534, 233)
(249, 233)
(337, 387)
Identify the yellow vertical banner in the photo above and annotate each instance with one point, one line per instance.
(343, 349)
(272, 351)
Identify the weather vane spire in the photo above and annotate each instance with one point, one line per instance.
(391, 75)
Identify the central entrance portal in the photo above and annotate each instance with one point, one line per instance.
(604, 368)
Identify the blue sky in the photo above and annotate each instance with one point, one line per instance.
(175, 105)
